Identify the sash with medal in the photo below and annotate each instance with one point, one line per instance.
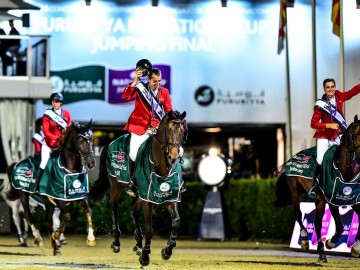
(57, 119)
(150, 99)
(38, 137)
(333, 112)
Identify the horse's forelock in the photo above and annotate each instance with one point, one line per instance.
(173, 115)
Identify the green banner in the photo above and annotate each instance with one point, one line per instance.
(87, 82)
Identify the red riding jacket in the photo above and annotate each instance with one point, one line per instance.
(142, 117)
(52, 131)
(321, 118)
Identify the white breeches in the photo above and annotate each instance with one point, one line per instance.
(322, 146)
(45, 155)
(136, 141)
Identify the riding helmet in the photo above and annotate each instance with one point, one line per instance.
(144, 65)
(57, 96)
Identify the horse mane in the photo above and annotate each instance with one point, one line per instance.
(65, 134)
(346, 139)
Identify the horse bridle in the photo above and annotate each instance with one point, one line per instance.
(353, 136)
(166, 147)
(89, 138)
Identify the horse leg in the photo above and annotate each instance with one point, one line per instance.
(144, 258)
(54, 236)
(320, 210)
(298, 217)
(90, 241)
(138, 234)
(339, 227)
(15, 209)
(114, 197)
(24, 197)
(355, 249)
(175, 225)
(56, 224)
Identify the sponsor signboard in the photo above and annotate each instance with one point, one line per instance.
(349, 219)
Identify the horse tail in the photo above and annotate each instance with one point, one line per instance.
(101, 185)
(7, 189)
(280, 170)
(282, 190)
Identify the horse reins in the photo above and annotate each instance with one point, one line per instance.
(167, 147)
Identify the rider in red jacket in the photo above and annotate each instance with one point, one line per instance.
(329, 122)
(38, 136)
(55, 121)
(152, 102)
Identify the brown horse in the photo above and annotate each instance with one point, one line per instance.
(165, 147)
(289, 189)
(75, 146)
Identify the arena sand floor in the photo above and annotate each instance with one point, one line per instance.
(188, 254)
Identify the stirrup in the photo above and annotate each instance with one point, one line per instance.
(312, 192)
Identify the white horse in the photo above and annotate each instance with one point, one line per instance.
(16, 209)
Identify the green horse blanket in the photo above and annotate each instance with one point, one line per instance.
(151, 187)
(302, 164)
(335, 189)
(117, 160)
(57, 182)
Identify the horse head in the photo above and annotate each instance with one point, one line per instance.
(351, 138)
(84, 143)
(170, 135)
(355, 136)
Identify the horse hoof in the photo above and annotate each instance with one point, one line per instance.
(144, 262)
(305, 245)
(322, 258)
(328, 244)
(38, 242)
(57, 252)
(165, 256)
(137, 250)
(63, 242)
(355, 253)
(116, 249)
(23, 244)
(92, 243)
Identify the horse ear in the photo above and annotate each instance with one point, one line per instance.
(355, 118)
(183, 115)
(87, 127)
(76, 126)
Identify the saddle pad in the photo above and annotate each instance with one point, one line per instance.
(302, 163)
(335, 189)
(24, 173)
(117, 160)
(152, 187)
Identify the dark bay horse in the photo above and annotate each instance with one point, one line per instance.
(165, 147)
(76, 148)
(289, 189)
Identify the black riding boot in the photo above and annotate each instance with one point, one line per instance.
(313, 190)
(37, 181)
(132, 190)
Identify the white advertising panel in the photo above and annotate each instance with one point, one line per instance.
(349, 219)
